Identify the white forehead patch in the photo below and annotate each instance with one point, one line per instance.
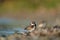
(32, 24)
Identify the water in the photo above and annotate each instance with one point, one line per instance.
(9, 26)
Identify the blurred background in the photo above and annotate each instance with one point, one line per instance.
(19, 13)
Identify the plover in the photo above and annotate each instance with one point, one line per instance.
(31, 27)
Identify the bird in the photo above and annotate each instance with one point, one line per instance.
(42, 24)
(56, 26)
(31, 27)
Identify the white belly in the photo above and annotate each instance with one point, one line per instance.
(31, 29)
